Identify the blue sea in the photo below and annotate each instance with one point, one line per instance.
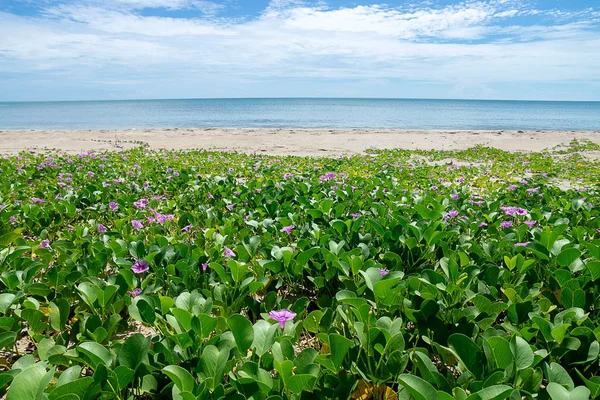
(303, 113)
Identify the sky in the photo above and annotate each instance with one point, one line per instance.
(142, 49)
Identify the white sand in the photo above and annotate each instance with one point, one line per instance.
(302, 142)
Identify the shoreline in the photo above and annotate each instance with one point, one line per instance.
(279, 141)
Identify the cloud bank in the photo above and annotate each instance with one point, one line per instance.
(192, 48)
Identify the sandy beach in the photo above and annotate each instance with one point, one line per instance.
(300, 142)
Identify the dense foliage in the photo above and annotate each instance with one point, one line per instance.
(202, 275)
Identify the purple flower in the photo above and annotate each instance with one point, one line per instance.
(356, 215)
(227, 252)
(140, 266)
(512, 187)
(161, 218)
(454, 196)
(91, 174)
(287, 229)
(204, 266)
(13, 218)
(2, 206)
(137, 224)
(452, 214)
(141, 203)
(37, 200)
(187, 228)
(533, 190)
(514, 210)
(506, 224)
(113, 206)
(530, 224)
(101, 228)
(524, 244)
(135, 292)
(44, 244)
(383, 271)
(210, 196)
(481, 225)
(282, 316)
(287, 175)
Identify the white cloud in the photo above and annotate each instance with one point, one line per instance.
(470, 43)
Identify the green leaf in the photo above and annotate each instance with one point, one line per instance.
(181, 377)
(212, 365)
(418, 388)
(501, 352)
(301, 383)
(6, 300)
(7, 339)
(134, 351)
(567, 256)
(496, 392)
(557, 374)
(264, 337)
(77, 387)
(557, 392)
(469, 353)
(96, 353)
(243, 332)
(339, 346)
(30, 383)
(523, 353)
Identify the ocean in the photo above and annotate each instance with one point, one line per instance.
(303, 113)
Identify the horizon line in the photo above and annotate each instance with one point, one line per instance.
(293, 98)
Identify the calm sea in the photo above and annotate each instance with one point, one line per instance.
(302, 113)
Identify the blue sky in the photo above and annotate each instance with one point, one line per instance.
(137, 49)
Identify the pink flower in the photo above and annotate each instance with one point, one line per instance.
(355, 215)
(454, 196)
(514, 210)
(383, 271)
(524, 244)
(135, 292)
(506, 224)
(204, 266)
(530, 224)
(187, 228)
(141, 203)
(282, 316)
(44, 244)
(512, 187)
(227, 252)
(113, 206)
(137, 224)
(287, 229)
(101, 228)
(140, 266)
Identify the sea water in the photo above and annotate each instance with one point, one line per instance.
(303, 113)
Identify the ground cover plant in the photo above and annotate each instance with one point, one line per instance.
(392, 275)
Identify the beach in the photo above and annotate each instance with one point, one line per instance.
(298, 142)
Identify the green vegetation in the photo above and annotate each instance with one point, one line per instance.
(397, 275)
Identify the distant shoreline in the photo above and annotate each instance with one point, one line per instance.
(300, 142)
